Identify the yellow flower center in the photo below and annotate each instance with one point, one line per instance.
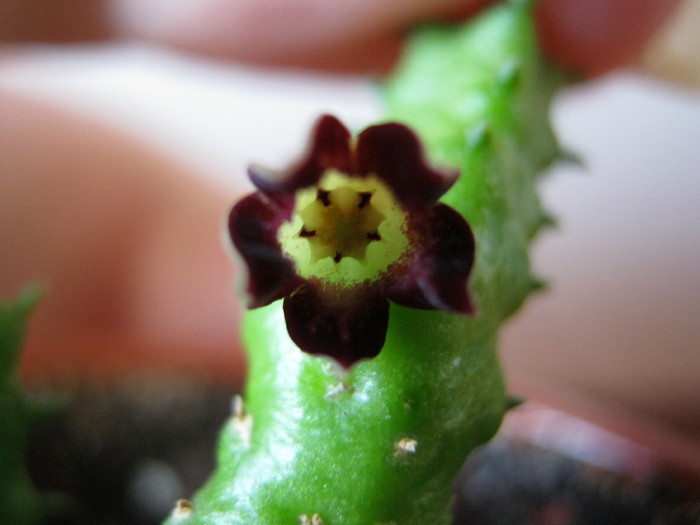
(340, 223)
(345, 230)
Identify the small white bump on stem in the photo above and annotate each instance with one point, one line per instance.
(241, 422)
(182, 510)
(333, 391)
(405, 446)
(315, 519)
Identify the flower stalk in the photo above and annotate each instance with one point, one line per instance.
(376, 437)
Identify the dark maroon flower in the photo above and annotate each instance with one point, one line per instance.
(355, 224)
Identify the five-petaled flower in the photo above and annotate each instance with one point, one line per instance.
(353, 225)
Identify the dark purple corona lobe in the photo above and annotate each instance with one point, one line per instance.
(357, 330)
(329, 149)
(440, 269)
(253, 225)
(393, 152)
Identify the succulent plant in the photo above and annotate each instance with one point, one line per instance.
(371, 341)
(20, 503)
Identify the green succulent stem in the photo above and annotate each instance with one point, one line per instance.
(380, 443)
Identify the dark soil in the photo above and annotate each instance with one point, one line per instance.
(506, 483)
(110, 447)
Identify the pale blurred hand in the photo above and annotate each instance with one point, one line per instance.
(128, 241)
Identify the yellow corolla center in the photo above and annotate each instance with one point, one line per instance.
(345, 229)
(340, 223)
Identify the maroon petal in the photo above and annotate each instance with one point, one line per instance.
(437, 278)
(329, 148)
(348, 332)
(253, 224)
(393, 152)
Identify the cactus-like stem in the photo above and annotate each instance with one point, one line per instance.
(380, 442)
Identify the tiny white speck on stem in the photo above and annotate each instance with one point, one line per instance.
(405, 446)
(241, 422)
(182, 510)
(313, 520)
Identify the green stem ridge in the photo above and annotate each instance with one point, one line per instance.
(380, 443)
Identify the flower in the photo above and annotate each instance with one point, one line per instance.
(353, 225)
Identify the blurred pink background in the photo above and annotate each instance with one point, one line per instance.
(619, 323)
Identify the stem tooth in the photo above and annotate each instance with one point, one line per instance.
(405, 446)
(333, 391)
(241, 422)
(183, 509)
(313, 520)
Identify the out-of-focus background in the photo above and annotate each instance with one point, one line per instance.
(619, 323)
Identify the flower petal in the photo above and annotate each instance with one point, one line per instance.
(393, 152)
(253, 224)
(348, 331)
(329, 149)
(437, 278)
